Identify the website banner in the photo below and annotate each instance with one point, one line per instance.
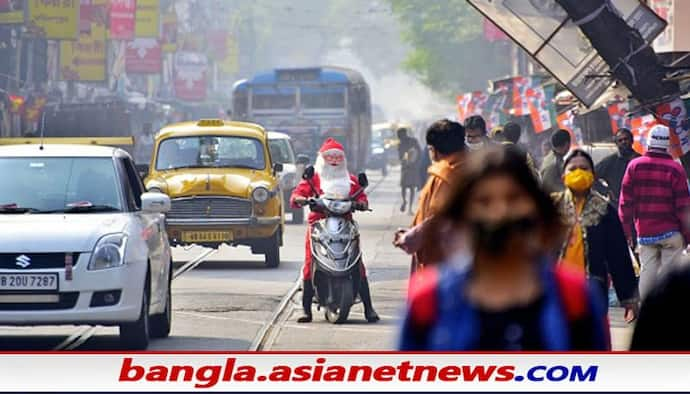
(345, 371)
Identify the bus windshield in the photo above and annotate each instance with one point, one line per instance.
(322, 98)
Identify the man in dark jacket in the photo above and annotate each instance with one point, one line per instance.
(612, 168)
(552, 167)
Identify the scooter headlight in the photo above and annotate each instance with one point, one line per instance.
(338, 207)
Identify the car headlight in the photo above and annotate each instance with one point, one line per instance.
(378, 151)
(260, 194)
(109, 252)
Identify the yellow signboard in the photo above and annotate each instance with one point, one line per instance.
(84, 59)
(147, 23)
(54, 19)
(230, 64)
(169, 32)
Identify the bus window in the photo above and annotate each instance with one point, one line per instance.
(322, 98)
(274, 98)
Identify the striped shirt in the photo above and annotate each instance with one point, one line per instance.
(655, 197)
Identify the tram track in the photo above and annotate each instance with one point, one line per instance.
(82, 334)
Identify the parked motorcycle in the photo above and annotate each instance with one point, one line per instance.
(336, 253)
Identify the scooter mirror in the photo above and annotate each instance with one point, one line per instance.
(308, 173)
(362, 179)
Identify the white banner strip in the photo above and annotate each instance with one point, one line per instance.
(308, 372)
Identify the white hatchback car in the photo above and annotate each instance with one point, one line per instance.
(81, 242)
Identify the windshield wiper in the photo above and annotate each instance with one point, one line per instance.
(88, 209)
(18, 210)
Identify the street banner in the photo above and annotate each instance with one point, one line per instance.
(122, 17)
(301, 372)
(566, 121)
(640, 127)
(618, 112)
(674, 115)
(147, 20)
(169, 32)
(11, 12)
(144, 56)
(217, 44)
(471, 104)
(54, 20)
(85, 59)
(230, 63)
(191, 69)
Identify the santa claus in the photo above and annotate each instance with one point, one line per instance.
(332, 180)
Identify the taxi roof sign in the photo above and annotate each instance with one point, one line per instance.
(211, 123)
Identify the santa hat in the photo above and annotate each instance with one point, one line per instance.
(659, 138)
(331, 144)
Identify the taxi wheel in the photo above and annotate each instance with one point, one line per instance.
(135, 336)
(161, 323)
(272, 251)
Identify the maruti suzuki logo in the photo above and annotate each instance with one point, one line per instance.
(23, 261)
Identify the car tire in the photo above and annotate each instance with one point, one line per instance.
(162, 323)
(272, 251)
(298, 216)
(135, 335)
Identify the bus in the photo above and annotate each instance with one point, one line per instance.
(310, 105)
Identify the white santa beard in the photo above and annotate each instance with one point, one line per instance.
(335, 180)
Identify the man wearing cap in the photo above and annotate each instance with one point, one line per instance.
(331, 178)
(655, 197)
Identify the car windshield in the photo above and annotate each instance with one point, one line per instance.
(210, 152)
(58, 184)
(281, 152)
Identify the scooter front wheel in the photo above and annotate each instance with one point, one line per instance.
(337, 313)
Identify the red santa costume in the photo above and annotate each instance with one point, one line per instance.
(331, 179)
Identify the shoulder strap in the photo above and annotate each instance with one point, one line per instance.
(572, 288)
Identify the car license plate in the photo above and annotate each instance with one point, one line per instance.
(206, 236)
(33, 282)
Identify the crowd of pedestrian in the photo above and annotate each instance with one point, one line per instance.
(506, 256)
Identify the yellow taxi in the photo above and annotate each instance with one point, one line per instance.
(222, 183)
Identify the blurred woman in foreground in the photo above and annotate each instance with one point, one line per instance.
(509, 298)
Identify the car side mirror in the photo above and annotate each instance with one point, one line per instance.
(153, 202)
(277, 167)
(303, 160)
(362, 180)
(143, 170)
(308, 173)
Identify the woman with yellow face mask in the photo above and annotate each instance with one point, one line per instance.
(596, 244)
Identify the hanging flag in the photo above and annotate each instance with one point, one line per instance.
(640, 127)
(618, 112)
(470, 104)
(540, 101)
(674, 115)
(520, 100)
(566, 121)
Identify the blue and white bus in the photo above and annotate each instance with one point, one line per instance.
(310, 105)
